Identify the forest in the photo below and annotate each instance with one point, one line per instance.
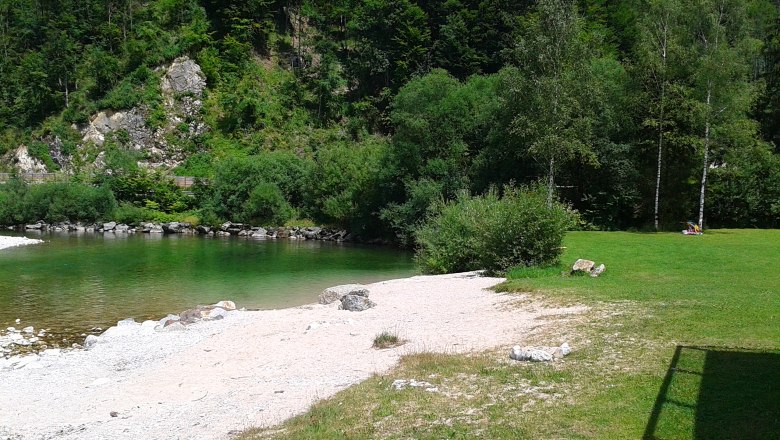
(367, 114)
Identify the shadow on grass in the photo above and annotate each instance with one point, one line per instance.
(713, 393)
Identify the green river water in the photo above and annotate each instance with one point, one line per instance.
(76, 284)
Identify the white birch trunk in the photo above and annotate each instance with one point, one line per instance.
(551, 183)
(706, 159)
(660, 128)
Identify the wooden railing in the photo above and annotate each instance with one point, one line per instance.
(30, 177)
(183, 182)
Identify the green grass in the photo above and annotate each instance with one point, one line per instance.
(387, 340)
(681, 342)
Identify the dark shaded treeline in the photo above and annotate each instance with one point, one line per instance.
(377, 108)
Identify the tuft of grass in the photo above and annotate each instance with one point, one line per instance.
(681, 342)
(387, 340)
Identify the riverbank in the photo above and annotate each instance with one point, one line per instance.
(8, 242)
(253, 368)
(226, 229)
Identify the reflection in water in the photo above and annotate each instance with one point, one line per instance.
(83, 281)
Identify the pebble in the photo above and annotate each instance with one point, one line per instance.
(29, 329)
(101, 381)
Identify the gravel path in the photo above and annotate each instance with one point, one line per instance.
(251, 368)
(7, 242)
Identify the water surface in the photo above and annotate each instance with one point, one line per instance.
(73, 283)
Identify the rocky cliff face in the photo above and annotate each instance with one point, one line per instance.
(159, 144)
(25, 163)
(182, 87)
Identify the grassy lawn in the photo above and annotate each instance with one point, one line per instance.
(682, 341)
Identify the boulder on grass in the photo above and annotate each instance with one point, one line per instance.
(582, 266)
(598, 271)
(539, 354)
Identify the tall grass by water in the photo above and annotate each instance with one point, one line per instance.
(681, 342)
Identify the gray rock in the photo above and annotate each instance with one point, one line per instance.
(184, 76)
(127, 322)
(598, 271)
(173, 326)
(225, 304)
(335, 293)
(312, 233)
(122, 227)
(217, 313)
(201, 229)
(582, 266)
(90, 341)
(172, 318)
(356, 303)
(173, 227)
(530, 354)
(539, 354)
(25, 163)
(110, 226)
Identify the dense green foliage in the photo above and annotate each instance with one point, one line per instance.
(54, 202)
(493, 233)
(364, 113)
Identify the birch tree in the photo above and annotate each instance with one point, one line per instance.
(548, 96)
(722, 47)
(659, 29)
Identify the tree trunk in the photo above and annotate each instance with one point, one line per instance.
(660, 159)
(706, 160)
(660, 127)
(551, 183)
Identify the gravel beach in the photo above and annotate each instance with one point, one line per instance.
(7, 242)
(252, 368)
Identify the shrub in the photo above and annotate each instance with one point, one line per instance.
(342, 186)
(12, 195)
(132, 215)
(60, 201)
(266, 205)
(236, 179)
(493, 233)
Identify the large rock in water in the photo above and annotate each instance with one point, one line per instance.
(335, 293)
(174, 227)
(356, 303)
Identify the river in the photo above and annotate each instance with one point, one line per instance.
(76, 284)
